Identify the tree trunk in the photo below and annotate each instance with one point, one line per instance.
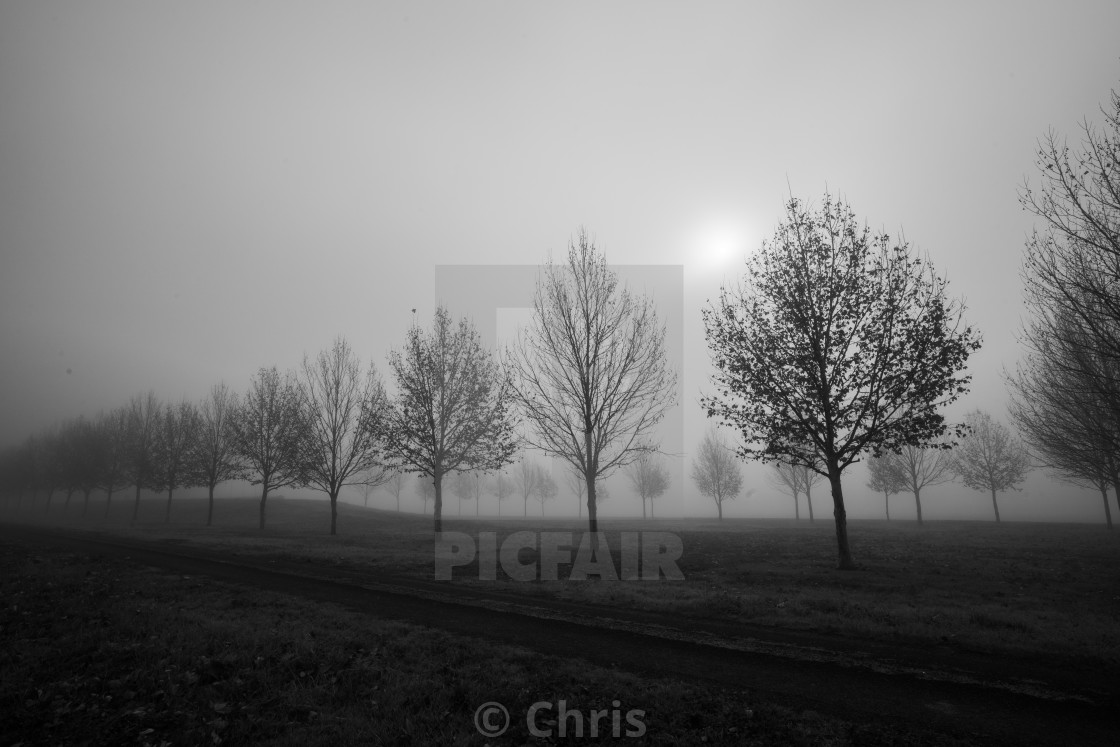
(334, 512)
(796, 507)
(85, 501)
(1107, 511)
(398, 501)
(841, 516)
(136, 505)
(719, 508)
(210, 506)
(437, 508)
(918, 503)
(525, 505)
(108, 500)
(579, 506)
(887, 503)
(542, 506)
(651, 514)
(1116, 488)
(264, 499)
(588, 475)
(809, 501)
(643, 508)
(995, 505)
(167, 518)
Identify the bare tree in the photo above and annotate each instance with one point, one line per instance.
(452, 409)
(546, 488)
(649, 478)
(526, 476)
(837, 343)
(394, 483)
(144, 413)
(426, 489)
(886, 478)
(215, 455)
(578, 487)
(795, 479)
(990, 458)
(112, 428)
(501, 486)
(590, 373)
(345, 414)
(269, 431)
(716, 471)
(923, 468)
(175, 444)
(462, 488)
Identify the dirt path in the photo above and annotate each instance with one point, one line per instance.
(974, 696)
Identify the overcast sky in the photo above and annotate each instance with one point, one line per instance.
(189, 191)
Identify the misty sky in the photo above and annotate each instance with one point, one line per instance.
(189, 191)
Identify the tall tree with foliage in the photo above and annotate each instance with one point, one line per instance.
(345, 417)
(837, 342)
(715, 470)
(452, 410)
(990, 458)
(269, 433)
(590, 374)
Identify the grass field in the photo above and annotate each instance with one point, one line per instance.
(1050, 589)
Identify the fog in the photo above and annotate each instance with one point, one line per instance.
(189, 192)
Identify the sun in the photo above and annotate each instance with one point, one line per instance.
(719, 247)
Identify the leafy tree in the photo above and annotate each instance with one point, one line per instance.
(837, 342)
(990, 458)
(590, 373)
(452, 411)
(886, 478)
(649, 478)
(269, 433)
(716, 470)
(175, 444)
(215, 456)
(345, 417)
(144, 412)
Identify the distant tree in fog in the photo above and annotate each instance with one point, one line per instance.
(174, 447)
(649, 478)
(269, 431)
(922, 468)
(345, 418)
(526, 475)
(215, 457)
(578, 487)
(112, 428)
(590, 374)
(462, 488)
(715, 470)
(990, 458)
(394, 482)
(452, 410)
(426, 489)
(144, 413)
(546, 488)
(795, 479)
(501, 486)
(886, 478)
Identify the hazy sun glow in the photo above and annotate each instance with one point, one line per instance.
(719, 247)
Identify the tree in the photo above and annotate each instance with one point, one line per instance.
(144, 413)
(649, 478)
(787, 478)
(716, 471)
(590, 373)
(546, 488)
(377, 476)
(886, 478)
(837, 342)
(526, 477)
(990, 458)
(112, 428)
(501, 487)
(923, 468)
(269, 433)
(452, 410)
(395, 482)
(345, 416)
(462, 488)
(578, 487)
(215, 455)
(426, 488)
(175, 443)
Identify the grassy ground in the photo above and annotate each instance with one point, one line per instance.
(1022, 587)
(101, 651)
